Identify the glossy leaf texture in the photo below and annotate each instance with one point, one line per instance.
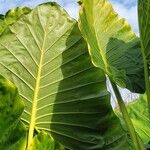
(64, 94)
(138, 111)
(42, 141)
(12, 131)
(12, 16)
(112, 44)
(144, 26)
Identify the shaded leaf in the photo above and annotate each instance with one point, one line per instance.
(112, 44)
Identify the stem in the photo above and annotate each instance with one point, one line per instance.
(136, 142)
(146, 75)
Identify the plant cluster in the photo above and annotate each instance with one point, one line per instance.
(53, 92)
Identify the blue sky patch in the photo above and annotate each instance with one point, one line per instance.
(125, 8)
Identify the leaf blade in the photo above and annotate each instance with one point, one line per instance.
(112, 44)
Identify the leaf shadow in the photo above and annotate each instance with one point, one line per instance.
(127, 59)
(82, 113)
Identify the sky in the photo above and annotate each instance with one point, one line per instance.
(125, 8)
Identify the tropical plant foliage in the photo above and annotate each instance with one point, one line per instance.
(53, 73)
(53, 92)
(138, 111)
(115, 49)
(113, 46)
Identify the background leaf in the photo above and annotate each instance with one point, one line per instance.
(64, 93)
(144, 24)
(12, 16)
(112, 44)
(42, 141)
(138, 111)
(12, 131)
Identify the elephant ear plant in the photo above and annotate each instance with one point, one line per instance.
(65, 97)
(53, 92)
(114, 48)
(111, 44)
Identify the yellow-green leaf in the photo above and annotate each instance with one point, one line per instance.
(43, 141)
(12, 16)
(112, 44)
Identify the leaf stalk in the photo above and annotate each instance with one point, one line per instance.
(137, 144)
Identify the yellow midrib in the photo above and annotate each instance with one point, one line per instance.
(35, 98)
(103, 55)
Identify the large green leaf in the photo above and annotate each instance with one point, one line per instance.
(112, 44)
(12, 131)
(44, 54)
(138, 111)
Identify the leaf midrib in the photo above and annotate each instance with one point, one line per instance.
(35, 95)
